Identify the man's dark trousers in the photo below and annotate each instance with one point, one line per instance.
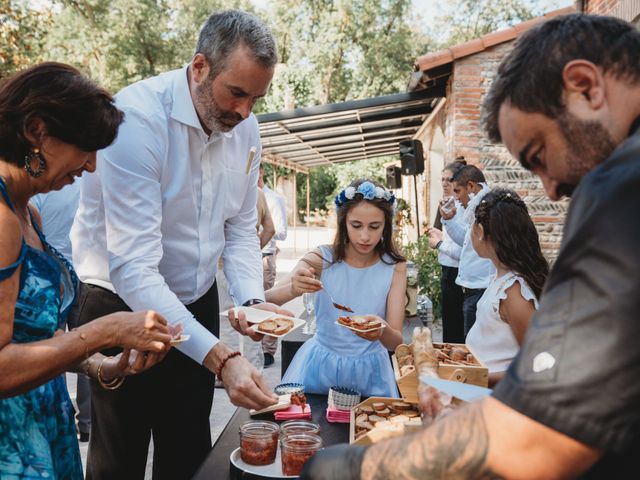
(171, 401)
(452, 299)
(469, 307)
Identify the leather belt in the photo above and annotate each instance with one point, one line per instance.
(466, 290)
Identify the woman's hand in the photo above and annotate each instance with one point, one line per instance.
(146, 331)
(304, 281)
(129, 362)
(373, 335)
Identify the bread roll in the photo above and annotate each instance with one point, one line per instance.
(424, 355)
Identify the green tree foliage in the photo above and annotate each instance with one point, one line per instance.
(323, 183)
(471, 19)
(117, 41)
(426, 261)
(22, 34)
(122, 41)
(327, 182)
(337, 50)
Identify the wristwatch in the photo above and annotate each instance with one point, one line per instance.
(438, 245)
(252, 301)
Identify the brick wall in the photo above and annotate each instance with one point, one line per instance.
(471, 78)
(628, 10)
(600, 7)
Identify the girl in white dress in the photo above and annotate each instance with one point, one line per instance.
(361, 270)
(504, 233)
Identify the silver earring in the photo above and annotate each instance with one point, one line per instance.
(35, 154)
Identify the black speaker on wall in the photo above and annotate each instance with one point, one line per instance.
(411, 157)
(394, 177)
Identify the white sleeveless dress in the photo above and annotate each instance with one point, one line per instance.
(491, 338)
(336, 355)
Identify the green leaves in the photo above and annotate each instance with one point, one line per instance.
(429, 271)
(337, 50)
(22, 35)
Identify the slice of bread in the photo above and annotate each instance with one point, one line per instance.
(276, 326)
(268, 326)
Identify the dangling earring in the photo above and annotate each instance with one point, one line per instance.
(31, 156)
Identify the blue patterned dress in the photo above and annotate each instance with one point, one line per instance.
(37, 432)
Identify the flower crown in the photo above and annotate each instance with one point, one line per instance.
(368, 191)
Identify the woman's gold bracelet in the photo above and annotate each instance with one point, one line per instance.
(113, 384)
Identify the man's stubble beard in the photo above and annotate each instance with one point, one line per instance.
(209, 111)
(588, 143)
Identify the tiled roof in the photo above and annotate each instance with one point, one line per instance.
(448, 55)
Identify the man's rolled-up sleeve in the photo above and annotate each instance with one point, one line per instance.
(130, 171)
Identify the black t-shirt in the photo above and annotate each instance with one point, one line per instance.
(578, 370)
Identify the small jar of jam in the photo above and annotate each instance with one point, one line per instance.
(296, 449)
(259, 442)
(291, 427)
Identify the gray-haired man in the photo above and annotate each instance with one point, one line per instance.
(175, 193)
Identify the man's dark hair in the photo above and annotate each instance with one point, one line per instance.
(468, 173)
(530, 76)
(225, 31)
(73, 108)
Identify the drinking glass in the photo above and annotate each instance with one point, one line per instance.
(308, 301)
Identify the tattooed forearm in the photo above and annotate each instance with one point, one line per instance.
(455, 447)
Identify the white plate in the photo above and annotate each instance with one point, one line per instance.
(382, 325)
(270, 471)
(254, 315)
(297, 322)
(177, 341)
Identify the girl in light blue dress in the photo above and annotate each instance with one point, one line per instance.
(361, 270)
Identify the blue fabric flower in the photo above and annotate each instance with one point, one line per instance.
(368, 190)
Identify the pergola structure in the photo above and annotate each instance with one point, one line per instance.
(310, 137)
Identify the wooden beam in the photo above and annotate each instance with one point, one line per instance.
(283, 162)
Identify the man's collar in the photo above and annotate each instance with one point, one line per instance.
(183, 109)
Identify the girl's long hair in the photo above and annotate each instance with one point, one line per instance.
(386, 246)
(506, 222)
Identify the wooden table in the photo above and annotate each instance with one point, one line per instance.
(217, 464)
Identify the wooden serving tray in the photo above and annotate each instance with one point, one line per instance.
(380, 433)
(472, 374)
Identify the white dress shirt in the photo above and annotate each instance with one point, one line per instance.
(165, 203)
(473, 271)
(449, 251)
(278, 210)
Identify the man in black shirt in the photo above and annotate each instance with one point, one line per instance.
(566, 103)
